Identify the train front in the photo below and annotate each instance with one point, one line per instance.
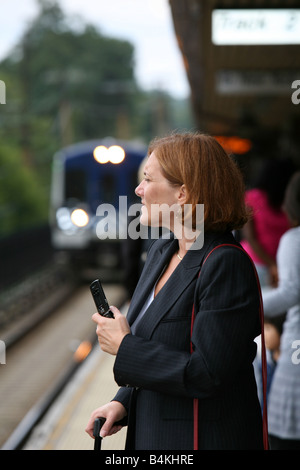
(92, 188)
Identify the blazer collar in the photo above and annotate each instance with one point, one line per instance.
(185, 273)
(159, 256)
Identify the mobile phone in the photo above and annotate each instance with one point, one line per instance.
(100, 299)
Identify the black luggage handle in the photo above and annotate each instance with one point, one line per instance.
(98, 423)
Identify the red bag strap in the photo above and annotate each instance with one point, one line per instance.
(195, 401)
(263, 356)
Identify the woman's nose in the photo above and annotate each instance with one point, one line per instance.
(138, 190)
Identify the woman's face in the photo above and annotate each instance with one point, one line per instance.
(157, 195)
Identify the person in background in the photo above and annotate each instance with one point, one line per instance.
(284, 395)
(261, 234)
(272, 332)
(181, 390)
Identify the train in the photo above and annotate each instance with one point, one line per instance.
(89, 179)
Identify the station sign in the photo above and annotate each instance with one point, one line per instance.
(250, 26)
(266, 82)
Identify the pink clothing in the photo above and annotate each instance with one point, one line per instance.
(269, 224)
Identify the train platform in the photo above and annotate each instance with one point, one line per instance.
(63, 427)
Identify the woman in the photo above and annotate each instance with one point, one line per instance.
(158, 373)
(284, 397)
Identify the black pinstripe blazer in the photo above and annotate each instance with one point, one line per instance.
(159, 377)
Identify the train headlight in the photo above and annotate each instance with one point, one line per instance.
(114, 154)
(101, 154)
(63, 219)
(79, 218)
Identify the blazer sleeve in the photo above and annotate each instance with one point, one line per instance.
(123, 396)
(226, 323)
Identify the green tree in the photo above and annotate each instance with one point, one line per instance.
(63, 85)
(22, 199)
(67, 84)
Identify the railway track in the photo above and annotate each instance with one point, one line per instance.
(39, 363)
(24, 304)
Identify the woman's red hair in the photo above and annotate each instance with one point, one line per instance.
(210, 176)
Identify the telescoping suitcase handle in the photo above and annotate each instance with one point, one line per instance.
(98, 423)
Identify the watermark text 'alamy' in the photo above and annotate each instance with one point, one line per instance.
(125, 222)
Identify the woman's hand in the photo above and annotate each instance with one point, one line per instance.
(111, 331)
(112, 412)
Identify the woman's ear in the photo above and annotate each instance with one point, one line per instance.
(182, 195)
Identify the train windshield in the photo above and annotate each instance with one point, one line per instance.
(75, 184)
(108, 190)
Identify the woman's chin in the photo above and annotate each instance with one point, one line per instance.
(144, 220)
(144, 217)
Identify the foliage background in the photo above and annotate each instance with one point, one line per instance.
(66, 84)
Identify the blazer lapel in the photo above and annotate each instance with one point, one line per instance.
(149, 276)
(184, 274)
(165, 299)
